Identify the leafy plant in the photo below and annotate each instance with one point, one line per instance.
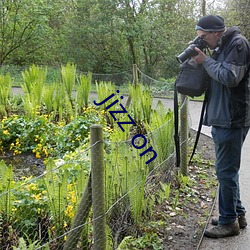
(30, 208)
(48, 98)
(141, 109)
(6, 184)
(147, 241)
(68, 74)
(104, 90)
(22, 245)
(34, 81)
(164, 192)
(160, 131)
(5, 90)
(83, 91)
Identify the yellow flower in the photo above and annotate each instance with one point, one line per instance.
(37, 196)
(31, 187)
(73, 199)
(69, 211)
(6, 132)
(14, 209)
(38, 156)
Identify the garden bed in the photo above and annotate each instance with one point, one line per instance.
(186, 224)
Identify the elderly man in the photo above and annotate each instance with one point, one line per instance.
(228, 112)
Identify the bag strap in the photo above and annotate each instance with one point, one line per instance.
(176, 126)
(199, 127)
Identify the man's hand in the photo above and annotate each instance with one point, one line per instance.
(200, 58)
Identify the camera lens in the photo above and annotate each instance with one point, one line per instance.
(190, 51)
(187, 53)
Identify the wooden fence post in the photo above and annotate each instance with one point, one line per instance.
(184, 135)
(135, 74)
(80, 218)
(135, 82)
(98, 195)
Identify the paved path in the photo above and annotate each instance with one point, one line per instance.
(241, 242)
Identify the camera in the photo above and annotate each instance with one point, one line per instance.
(190, 51)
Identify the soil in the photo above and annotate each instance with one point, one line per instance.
(187, 222)
(25, 164)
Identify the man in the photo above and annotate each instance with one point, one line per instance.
(228, 112)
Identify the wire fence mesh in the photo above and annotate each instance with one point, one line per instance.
(44, 211)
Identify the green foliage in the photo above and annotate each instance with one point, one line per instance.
(68, 74)
(6, 184)
(48, 98)
(30, 206)
(126, 171)
(147, 241)
(141, 110)
(5, 90)
(104, 90)
(23, 25)
(34, 81)
(164, 192)
(29, 245)
(103, 36)
(43, 137)
(125, 175)
(83, 91)
(162, 126)
(57, 188)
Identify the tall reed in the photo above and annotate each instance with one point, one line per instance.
(56, 184)
(5, 90)
(68, 74)
(141, 105)
(33, 86)
(160, 131)
(125, 177)
(105, 89)
(6, 184)
(83, 91)
(48, 97)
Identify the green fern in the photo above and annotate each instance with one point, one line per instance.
(33, 86)
(6, 184)
(83, 90)
(56, 185)
(68, 74)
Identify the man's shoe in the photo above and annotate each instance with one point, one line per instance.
(241, 219)
(221, 231)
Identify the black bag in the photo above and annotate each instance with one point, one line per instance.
(192, 80)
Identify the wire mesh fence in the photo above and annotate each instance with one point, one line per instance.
(55, 209)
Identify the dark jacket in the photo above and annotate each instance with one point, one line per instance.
(228, 103)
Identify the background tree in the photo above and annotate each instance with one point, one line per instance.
(105, 36)
(21, 25)
(237, 12)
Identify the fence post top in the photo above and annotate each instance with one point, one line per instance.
(96, 126)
